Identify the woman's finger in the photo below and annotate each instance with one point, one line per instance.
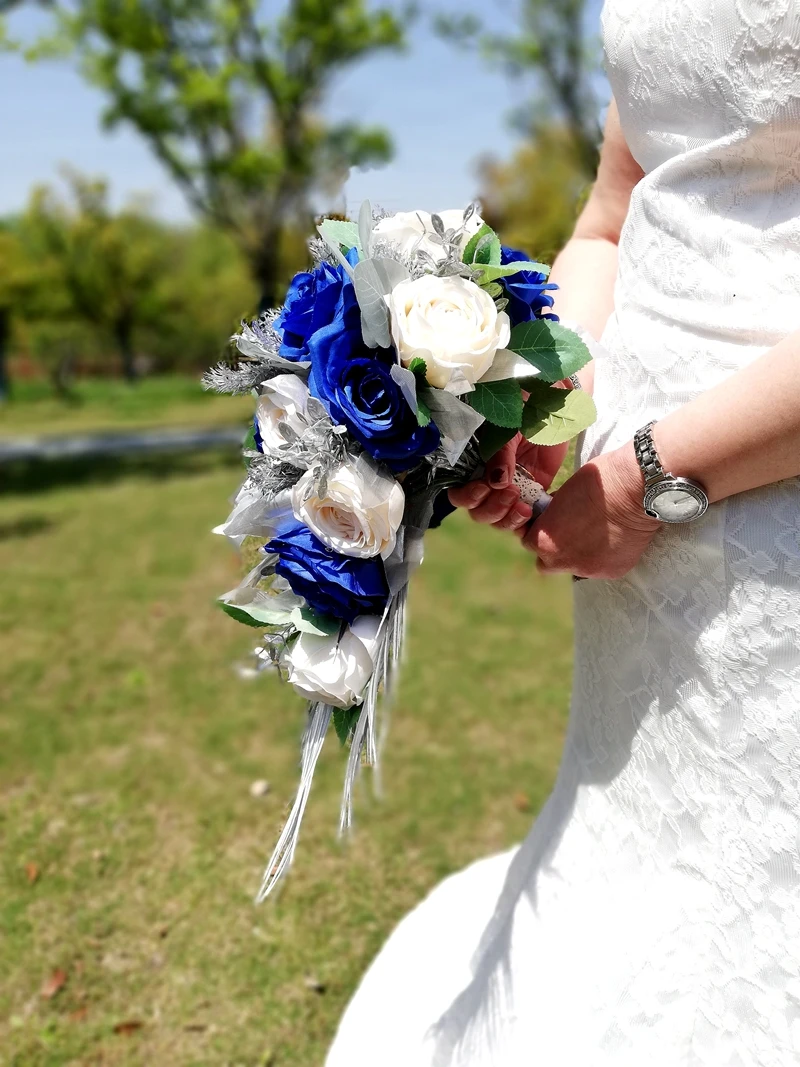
(470, 495)
(500, 468)
(516, 519)
(496, 506)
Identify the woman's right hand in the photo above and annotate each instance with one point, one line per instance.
(495, 499)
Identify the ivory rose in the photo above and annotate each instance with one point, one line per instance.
(359, 512)
(451, 323)
(284, 398)
(337, 669)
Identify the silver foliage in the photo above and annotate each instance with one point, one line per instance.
(258, 344)
(321, 445)
(373, 279)
(237, 379)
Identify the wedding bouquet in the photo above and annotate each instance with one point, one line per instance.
(412, 351)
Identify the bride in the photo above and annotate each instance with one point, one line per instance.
(652, 916)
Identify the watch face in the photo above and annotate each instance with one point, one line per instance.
(676, 503)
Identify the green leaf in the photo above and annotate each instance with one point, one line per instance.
(553, 416)
(488, 253)
(249, 443)
(491, 271)
(491, 439)
(242, 615)
(498, 402)
(344, 722)
(308, 621)
(419, 368)
(472, 243)
(555, 351)
(340, 232)
(494, 289)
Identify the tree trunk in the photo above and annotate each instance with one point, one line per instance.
(266, 266)
(5, 335)
(123, 333)
(62, 374)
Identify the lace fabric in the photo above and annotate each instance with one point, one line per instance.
(652, 916)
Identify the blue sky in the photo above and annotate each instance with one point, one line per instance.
(444, 108)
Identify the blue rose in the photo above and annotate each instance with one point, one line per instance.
(527, 291)
(355, 385)
(341, 586)
(310, 305)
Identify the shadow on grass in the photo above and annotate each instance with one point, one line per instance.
(26, 526)
(41, 476)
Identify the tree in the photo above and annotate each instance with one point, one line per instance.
(8, 260)
(17, 281)
(230, 102)
(532, 200)
(107, 268)
(553, 45)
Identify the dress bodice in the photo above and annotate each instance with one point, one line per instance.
(688, 74)
(709, 258)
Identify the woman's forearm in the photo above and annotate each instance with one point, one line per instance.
(744, 432)
(585, 271)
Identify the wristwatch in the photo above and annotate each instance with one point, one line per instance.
(666, 497)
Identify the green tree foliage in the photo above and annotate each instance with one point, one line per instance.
(83, 281)
(103, 269)
(231, 102)
(552, 44)
(532, 200)
(12, 286)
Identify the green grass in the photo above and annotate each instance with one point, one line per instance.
(128, 745)
(109, 403)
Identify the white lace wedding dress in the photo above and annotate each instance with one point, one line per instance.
(652, 917)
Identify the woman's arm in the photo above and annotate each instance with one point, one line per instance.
(741, 434)
(586, 269)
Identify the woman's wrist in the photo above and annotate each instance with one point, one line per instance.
(681, 452)
(623, 482)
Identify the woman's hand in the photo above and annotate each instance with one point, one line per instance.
(596, 526)
(495, 499)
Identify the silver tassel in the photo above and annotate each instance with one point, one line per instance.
(369, 734)
(313, 740)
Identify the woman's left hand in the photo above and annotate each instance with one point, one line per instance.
(596, 526)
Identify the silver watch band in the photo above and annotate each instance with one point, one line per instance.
(647, 456)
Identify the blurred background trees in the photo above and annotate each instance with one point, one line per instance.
(230, 101)
(555, 50)
(553, 55)
(104, 271)
(116, 292)
(230, 97)
(532, 199)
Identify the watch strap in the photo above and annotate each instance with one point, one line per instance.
(647, 456)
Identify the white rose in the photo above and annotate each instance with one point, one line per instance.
(284, 398)
(411, 230)
(335, 670)
(360, 512)
(451, 323)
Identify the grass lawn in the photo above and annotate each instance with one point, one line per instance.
(109, 404)
(131, 846)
